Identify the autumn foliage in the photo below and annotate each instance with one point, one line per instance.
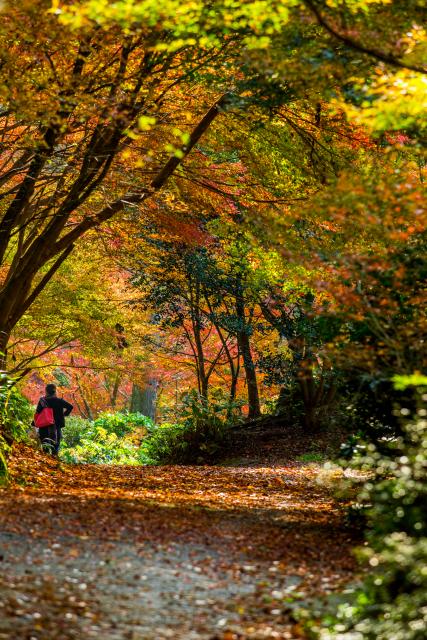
(213, 231)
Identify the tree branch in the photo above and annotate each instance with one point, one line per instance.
(158, 181)
(388, 58)
(44, 281)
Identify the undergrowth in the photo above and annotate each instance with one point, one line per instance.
(15, 417)
(391, 604)
(132, 438)
(113, 438)
(201, 434)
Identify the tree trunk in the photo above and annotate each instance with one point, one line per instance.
(144, 399)
(234, 367)
(196, 321)
(248, 362)
(115, 391)
(4, 339)
(88, 410)
(233, 388)
(250, 373)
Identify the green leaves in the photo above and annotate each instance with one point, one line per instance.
(403, 382)
(187, 23)
(201, 433)
(113, 438)
(145, 123)
(392, 102)
(391, 603)
(15, 418)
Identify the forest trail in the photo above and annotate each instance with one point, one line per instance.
(145, 553)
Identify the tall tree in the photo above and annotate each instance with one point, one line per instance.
(68, 124)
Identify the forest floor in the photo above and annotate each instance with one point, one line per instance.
(220, 552)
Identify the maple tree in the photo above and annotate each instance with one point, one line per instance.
(67, 127)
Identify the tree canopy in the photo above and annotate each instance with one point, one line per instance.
(272, 138)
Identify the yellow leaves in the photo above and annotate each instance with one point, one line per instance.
(183, 135)
(175, 151)
(146, 123)
(56, 7)
(178, 150)
(257, 42)
(131, 134)
(394, 101)
(190, 23)
(356, 5)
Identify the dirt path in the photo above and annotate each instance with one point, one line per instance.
(145, 553)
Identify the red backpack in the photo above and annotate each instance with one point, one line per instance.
(45, 417)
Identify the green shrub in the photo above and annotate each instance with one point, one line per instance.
(123, 423)
(16, 414)
(167, 443)
(75, 430)
(97, 446)
(392, 605)
(113, 438)
(202, 433)
(132, 438)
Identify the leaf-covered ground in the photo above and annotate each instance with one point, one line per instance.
(144, 553)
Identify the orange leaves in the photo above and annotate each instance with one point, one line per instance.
(290, 489)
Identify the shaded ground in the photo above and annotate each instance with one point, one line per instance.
(146, 553)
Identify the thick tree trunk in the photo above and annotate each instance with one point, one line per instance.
(204, 388)
(248, 362)
(115, 391)
(250, 373)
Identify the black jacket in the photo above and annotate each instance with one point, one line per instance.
(61, 408)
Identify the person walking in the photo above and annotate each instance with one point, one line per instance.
(50, 436)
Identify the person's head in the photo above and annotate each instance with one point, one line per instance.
(50, 389)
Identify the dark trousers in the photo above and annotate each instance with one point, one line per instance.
(48, 438)
(58, 439)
